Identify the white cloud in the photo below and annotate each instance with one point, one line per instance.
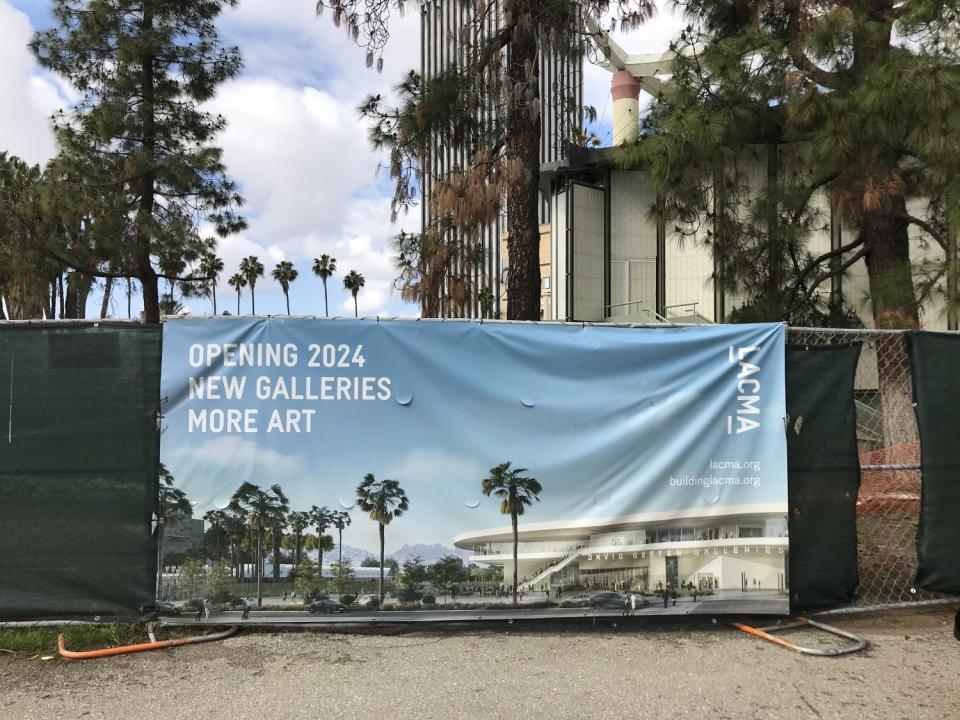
(29, 96)
(436, 467)
(233, 453)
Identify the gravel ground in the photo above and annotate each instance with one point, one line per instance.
(911, 670)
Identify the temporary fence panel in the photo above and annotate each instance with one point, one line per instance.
(824, 475)
(888, 505)
(658, 455)
(935, 360)
(78, 469)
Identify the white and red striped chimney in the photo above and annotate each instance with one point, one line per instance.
(625, 89)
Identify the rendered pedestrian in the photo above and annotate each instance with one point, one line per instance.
(633, 603)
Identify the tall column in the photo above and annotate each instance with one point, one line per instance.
(625, 90)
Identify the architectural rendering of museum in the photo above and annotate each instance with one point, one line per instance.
(715, 548)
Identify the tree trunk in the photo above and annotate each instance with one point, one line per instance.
(326, 305)
(340, 548)
(78, 287)
(894, 304)
(356, 312)
(52, 309)
(286, 295)
(253, 301)
(319, 555)
(238, 302)
(105, 304)
(144, 232)
(381, 566)
(129, 298)
(276, 555)
(513, 522)
(523, 147)
(213, 293)
(259, 568)
(60, 294)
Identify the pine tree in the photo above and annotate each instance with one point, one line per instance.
(848, 105)
(142, 69)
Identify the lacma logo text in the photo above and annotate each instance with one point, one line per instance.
(747, 415)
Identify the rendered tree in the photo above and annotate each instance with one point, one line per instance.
(251, 268)
(137, 133)
(285, 273)
(324, 267)
(849, 102)
(488, 99)
(516, 492)
(341, 521)
(384, 501)
(446, 573)
(322, 518)
(299, 521)
(353, 281)
(260, 509)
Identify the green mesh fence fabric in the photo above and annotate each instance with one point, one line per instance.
(935, 359)
(79, 456)
(824, 475)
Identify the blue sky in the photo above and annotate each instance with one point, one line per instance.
(294, 142)
(601, 416)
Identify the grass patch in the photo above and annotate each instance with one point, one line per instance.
(36, 641)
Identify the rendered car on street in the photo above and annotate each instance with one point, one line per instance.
(616, 600)
(325, 606)
(160, 607)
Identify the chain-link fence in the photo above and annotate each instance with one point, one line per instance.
(888, 505)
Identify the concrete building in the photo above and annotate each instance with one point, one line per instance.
(560, 91)
(609, 260)
(715, 548)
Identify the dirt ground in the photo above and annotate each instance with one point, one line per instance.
(911, 670)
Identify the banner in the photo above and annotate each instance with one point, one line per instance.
(555, 466)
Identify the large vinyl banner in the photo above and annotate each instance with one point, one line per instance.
(638, 470)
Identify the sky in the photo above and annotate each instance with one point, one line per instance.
(294, 143)
(603, 417)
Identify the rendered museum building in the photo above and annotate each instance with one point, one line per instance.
(715, 548)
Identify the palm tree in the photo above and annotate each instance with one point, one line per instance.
(285, 273)
(238, 282)
(324, 267)
(322, 518)
(341, 520)
(298, 523)
(210, 267)
(251, 268)
(384, 501)
(515, 493)
(260, 508)
(353, 281)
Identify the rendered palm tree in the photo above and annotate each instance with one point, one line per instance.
(210, 267)
(260, 508)
(322, 518)
(353, 281)
(324, 267)
(285, 273)
(238, 282)
(515, 493)
(280, 516)
(298, 523)
(172, 504)
(251, 268)
(217, 519)
(384, 500)
(341, 520)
